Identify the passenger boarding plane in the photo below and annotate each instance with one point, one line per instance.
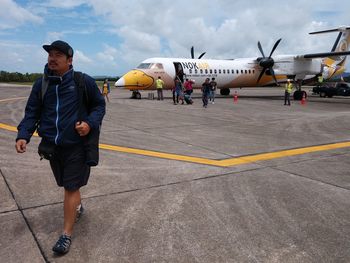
(243, 72)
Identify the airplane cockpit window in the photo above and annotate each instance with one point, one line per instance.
(156, 66)
(144, 65)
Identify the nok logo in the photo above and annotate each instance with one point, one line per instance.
(195, 65)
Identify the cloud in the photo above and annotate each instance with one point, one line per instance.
(66, 4)
(117, 35)
(12, 15)
(15, 57)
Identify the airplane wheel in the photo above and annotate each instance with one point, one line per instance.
(298, 94)
(225, 91)
(138, 95)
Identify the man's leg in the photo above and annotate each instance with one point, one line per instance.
(71, 201)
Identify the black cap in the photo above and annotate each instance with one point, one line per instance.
(60, 45)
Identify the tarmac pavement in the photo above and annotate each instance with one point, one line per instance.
(161, 194)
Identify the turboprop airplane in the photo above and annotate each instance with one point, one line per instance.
(242, 72)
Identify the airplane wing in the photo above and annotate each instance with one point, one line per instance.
(323, 55)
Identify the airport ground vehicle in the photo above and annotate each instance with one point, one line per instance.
(331, 89)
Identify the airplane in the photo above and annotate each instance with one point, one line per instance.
(242, 72)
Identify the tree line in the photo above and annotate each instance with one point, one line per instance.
(31, 77)
(18, 77)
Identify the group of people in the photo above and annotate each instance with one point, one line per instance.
(182, 91)
(208, 91)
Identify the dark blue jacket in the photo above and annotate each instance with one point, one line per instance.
(56, 114)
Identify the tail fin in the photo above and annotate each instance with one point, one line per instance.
(335, 65)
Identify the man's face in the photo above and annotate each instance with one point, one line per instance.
(58, 62)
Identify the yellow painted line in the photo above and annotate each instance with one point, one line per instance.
(160, 154)
(11, 128)
(284, 153)
(223, 163)
(11, 99)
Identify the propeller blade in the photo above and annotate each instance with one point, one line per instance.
(261, 74)
(260, 48)
(201, 55)
(192, 52)
(275, 46)
(273, 75)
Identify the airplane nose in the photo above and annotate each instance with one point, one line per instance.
(135, 80)
(120, 83)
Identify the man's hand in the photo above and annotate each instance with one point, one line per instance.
(82, 128)
(21, 146)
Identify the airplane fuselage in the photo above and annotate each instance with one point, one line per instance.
(227, 73)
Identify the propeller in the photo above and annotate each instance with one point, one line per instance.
(192, 53)
(267, 62)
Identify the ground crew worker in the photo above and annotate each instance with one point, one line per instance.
(159, 86)
(320, 80)
(287, 92)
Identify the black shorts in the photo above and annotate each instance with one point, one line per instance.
(69, 167)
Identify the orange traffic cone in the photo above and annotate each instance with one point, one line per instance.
(235, 97)
(303, 99)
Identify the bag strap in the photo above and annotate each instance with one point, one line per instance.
(44, 86)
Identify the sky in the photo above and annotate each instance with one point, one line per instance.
(111, 37)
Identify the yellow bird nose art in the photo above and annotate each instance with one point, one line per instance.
(137, 80)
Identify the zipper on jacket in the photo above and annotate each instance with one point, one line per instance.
(57, 107)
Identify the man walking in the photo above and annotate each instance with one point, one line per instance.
(64, 126)
(159, 86)
(206, 86)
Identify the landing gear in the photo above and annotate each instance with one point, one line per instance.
(136, 95)
(224, 92)
(299, 94)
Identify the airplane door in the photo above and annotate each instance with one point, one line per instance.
(179, 71)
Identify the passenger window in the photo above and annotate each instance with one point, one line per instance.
(210, 71)
(215, 72)
(223, 71)
(219, 71)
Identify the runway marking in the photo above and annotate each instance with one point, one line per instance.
(222, 163)
(18, 98)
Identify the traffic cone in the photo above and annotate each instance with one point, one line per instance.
(303, 99)
(235, 97)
